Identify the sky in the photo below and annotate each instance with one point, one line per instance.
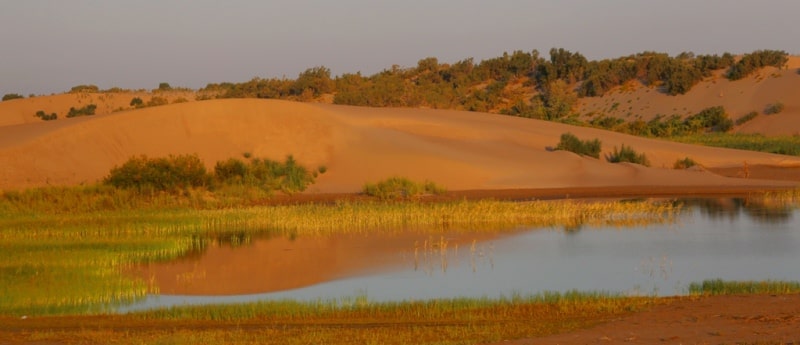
(48, 46)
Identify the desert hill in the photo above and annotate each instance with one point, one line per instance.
(457, 149)
(768, 86)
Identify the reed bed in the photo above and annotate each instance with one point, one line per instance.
(57, 262)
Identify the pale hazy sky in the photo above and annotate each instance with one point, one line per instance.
(49, 46)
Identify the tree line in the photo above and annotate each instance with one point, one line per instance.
(521, 83)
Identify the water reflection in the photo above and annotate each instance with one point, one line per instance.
(756, 208)
(732, 239)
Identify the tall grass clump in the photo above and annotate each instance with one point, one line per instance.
(723, 287)
(627, 154)
(399, 188)
(569, 142)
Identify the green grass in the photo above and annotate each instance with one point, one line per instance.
(722, 287)
(401, 188)
(785, 145)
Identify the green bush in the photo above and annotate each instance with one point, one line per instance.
(570, 142)
(169, 174)
(85, 111)
(10, 96)
(747, 117)
(774, 108)
(627, 154)
(137, 102)
(47, 117)
(265, 174)
(395, 188)
(685, 163)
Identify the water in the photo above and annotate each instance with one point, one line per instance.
(714, 238)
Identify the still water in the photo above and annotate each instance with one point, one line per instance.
(713, 238)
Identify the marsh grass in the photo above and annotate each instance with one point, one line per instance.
(71, 262)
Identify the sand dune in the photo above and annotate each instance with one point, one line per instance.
(460, 150)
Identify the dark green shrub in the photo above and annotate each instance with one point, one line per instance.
(400, 188)
(85, 111)
(47, 117)
(10, 96)
(137, 102)
(750, 63)
(685, 163)
(164, 87)
(627, 154)
(570, 142)
(747, 117)
(169, 174)
(773, 108)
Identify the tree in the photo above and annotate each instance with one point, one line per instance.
(559, 99)
(316, 79)
(164, 87)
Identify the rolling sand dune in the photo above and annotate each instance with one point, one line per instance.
(460, 150)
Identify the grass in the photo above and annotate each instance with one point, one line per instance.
(346, 321)
(722, 287)
(401, 188)
(627, 154)
(786, 145)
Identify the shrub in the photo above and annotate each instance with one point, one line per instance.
(627, 154)
(180, 100)
(137, 102)
(685, 163)
(47, 117)
(265, 174)
(773, 108)
(169, 174)
(156, 101)
(401, 188)
(570, 142)
(10, 96)
(749, 116)
(164, 87)
(85, 111)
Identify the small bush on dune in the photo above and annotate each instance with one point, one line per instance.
(85, 111)
(570, 142)
(47, 117)
(685, 163)
(401, 188)
(627, 154)
(774, 108)
(137, 102)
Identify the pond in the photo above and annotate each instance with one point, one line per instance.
(722, 238)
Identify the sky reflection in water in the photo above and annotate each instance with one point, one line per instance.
(715, 238)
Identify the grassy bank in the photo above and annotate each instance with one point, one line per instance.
(60, 262)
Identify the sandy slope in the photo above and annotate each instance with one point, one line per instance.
(460, 150)
(755, 93)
